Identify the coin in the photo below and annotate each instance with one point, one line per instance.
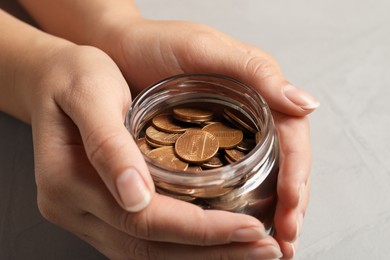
(236, 119)
(196, 146)
(227, 136)
(160, 137)
(214, 162)
(258, 137)
(246, 145)
(174, 195)
(153, 144)
(194, 168)
(144, 147)
(234, 154)
(228, 160)
(166, 123)
(166, 157)
(192, 115)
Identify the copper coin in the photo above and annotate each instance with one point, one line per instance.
(153, 144)
(258, 137)
(143, 146)
(166, 123)
(194, 168)
(196, 146)
(234, 154)
(228, 160)
(192, 115)
(214, 162)
(174, 195)
(227, 136)
(160, 137)
(166, 157)
(244, 123)
(246, 145)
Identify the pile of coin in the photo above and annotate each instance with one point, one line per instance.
(194, 139)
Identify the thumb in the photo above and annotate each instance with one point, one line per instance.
(109, 146)
(253, 67)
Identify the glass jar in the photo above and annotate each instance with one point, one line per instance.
(247, 186)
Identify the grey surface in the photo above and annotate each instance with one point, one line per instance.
(337, 50)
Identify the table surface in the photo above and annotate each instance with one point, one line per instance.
(335, 50)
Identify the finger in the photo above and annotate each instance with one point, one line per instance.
(171, 220)
(217, 53)
(295, 158)
(119, 245)
(98, 106)
(165, 219)
(289, 223)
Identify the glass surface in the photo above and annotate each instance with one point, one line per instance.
(247, 186)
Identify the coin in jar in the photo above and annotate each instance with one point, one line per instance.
(246, 145)
(166, 157)
(192, 115)
(234, 118)
(227, 136)
(196, 146)
(234, 154)
(160, 137)
(166, 123)
(143, 146)
(214, 162)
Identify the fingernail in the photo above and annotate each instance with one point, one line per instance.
(300, 98)
(132, 190)
(248, 234)
(264, 253)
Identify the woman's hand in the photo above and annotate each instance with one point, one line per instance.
(148, 51)
(92, 179)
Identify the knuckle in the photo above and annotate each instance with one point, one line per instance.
(200, 233)
(140, 249)
(259, 65)
(137, 224)
(47, 209)
(103, 144)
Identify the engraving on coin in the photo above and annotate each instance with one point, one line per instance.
(227, 136)
(166, 123)
(196, 146)
(166, 157)
(160, 137)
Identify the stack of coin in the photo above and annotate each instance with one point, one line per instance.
(193, 139)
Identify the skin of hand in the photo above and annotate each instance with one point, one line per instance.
(91, 178)
(147, 51)
(182, 47)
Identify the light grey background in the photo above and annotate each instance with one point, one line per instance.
(338, 51)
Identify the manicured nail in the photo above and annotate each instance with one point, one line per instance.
(300, 98)
(265, 252)
(132, 190)
(248, 234)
